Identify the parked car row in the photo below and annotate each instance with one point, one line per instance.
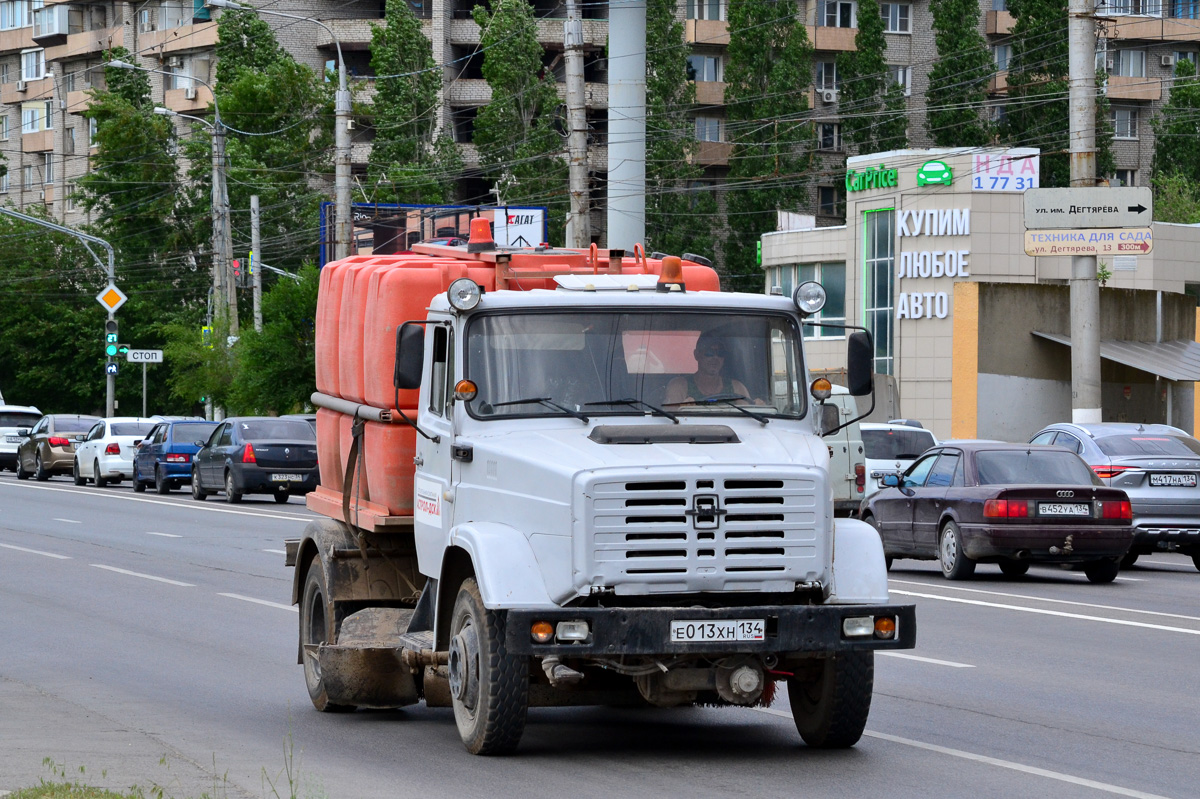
(237, 456)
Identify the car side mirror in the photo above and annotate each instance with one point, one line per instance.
(23, 432)
(200, 443)
(80, 438)
(410, 356)
(860, 364)
(891, 480)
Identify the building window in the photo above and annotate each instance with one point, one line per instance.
(1125, 123)
(829, 201)
(31, 118)
(27, 177)
(1002, 54)
(827, 77)
(92, 132)
(833, 277)
(999, 5)
(829, 136)
(69, 141)
(1185, 9)
(3, 73)
(48, 116)
(706, 9)
(1185, 55)
(705, 68)
(69, 189)
(4, 183)
(1141, 8)
(48, 168)
(879, 266)
(1129, 63)
(1123, 177)
(708, 129)
(4, 127)
(172, 14)
(840, 14)
(902, 76)
(33, 64)
(896, 17)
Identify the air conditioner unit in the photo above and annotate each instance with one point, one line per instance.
(175, 61)
(1167, 60)
(22, 85)
(829, 95)
(189, 93)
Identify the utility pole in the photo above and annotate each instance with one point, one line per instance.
(255, 259)
(627, 124)
(225, 243)
(579, 223)
(1085, 289)
(220, 262)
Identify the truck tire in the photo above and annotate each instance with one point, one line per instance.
(1102, 571)
(489, 689)
(954, 561)
(831, 711)
(317, 626)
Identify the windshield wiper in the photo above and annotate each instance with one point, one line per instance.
(639, 403)
(549, 403)
(725, 399)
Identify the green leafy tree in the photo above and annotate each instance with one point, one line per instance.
(1176, 198)
(1176, 143)
(958, 82)
(870, 104)
(772, 145)
(410, 162)
(519, 146)
(679, 218)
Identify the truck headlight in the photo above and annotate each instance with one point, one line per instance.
(858, 626)
(808, 296)
(464, 294)
(572, 631)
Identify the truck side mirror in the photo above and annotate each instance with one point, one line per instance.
(830, 417)
(410, 356)
(860, 357)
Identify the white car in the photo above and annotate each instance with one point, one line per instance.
(105, 453)
(12, 419)
(891, 447)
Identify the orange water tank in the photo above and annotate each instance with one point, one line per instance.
(329, 307)
(390, 449)
(350, 344)
(329, 448)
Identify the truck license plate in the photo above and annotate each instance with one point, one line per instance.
(1064, 509)
(287, 478)
(722, 630)
(1185, 480)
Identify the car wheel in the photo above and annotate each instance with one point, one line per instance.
(100, 480)
(955, 563)
(231, 496)
(1129, 559)
(281, 497)
(21, 473)
(39, 469)
(1014, 568)
(138, 485)
(1196, 560)
(831, 709)
(1102, 571)
(319, 624)
(198, 491)
(161, 484)
(75, 475)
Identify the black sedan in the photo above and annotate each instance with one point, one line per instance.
(1011, 504)
(257, 455)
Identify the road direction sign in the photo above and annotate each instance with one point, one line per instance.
(1059, 209)
(1100, 241)
(111, 368)
(111, 298)
(144, 356)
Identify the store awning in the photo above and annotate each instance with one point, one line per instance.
(1174, 360)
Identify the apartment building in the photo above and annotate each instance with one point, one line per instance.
(51, 53)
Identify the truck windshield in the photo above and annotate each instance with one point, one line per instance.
(608, 363)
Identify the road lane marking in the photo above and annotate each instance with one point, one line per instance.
(934, 661)
(166, 535)
(1047, 599)
(35, 552)
(279, 605)
(68, 521)
(994, 761)
(1044, 612)
(143, 576)
(276, 551)
(193, 506)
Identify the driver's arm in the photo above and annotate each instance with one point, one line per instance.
(676, 391)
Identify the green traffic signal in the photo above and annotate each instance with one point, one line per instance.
(110, 350)
(110, 338)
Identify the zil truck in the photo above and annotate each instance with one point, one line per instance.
(559, 477)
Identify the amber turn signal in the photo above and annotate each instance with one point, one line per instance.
(465, 390)
(885, 627)
(541, 632)
(821, 389)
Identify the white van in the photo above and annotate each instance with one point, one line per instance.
(890, 448)
(847, 470)
(12, 419)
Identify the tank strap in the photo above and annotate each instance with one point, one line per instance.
(356, 461)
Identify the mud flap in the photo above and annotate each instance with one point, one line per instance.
(365, 668)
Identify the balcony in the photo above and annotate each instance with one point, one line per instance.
(999, 23)
(1126, 28)
(712, 153)
(40, 142)
(709, 92)
(354, 34)
(52, 24)
(999, 82)
(1123, 88)
(832, 39)
(17, 39)
(77, 45)
(550, 33)
(20, 91)
(198, 36)
(707, 32)
(188, 101)
(78, 101)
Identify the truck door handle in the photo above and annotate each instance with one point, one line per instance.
(418, 461)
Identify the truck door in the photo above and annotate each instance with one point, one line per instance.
(432, 512)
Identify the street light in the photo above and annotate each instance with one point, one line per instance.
(341, 128)
(222, 243)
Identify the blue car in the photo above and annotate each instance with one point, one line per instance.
(164, 458)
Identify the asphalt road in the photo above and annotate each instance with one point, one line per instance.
(151, 641)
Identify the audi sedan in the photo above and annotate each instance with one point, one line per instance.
(257, 455)
(1009, 504)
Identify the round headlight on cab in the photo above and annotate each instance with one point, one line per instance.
(809, 297)
(464, 294)
(821, 389)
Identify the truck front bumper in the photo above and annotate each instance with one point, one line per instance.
(647, 631)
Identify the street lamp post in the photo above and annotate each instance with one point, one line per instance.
(341, 129)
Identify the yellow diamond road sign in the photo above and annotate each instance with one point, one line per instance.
(111, 298)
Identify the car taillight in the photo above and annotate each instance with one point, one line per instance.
(1109, 472)
(1005, 508)
(112, 449)
(59, 441)
(1117, 509)
(248, 454)
(178, 458)
(860, 477)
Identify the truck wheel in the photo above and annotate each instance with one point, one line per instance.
(1014, 568)
(317, 627)
(1102, 571)
(489, 688)
(831, 711)
(40, 472)
(75, 475)
(99, 480)
(955, 563)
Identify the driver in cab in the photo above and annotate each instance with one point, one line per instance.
(709, 379)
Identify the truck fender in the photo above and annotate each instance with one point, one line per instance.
(504, 564)
(859, 570)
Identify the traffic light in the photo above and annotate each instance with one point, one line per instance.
(239, 279)
(110, 338)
